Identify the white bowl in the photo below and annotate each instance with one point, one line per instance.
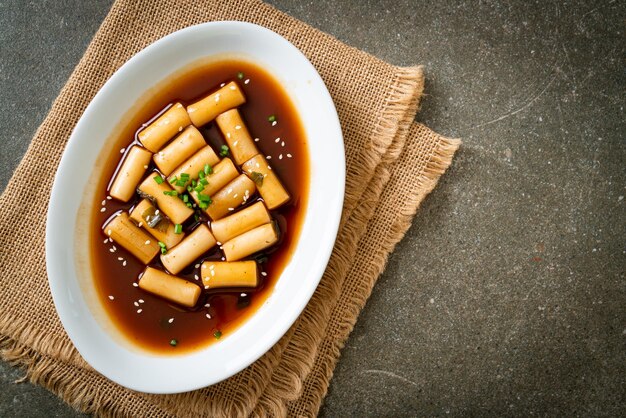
(67, 259)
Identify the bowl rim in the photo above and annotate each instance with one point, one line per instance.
(55, 257)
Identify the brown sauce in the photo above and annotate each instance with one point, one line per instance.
(153, 328)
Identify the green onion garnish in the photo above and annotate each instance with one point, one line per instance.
(204, 198)
(217, 334)
(163, 247)
(257, 178)
(240, 75)
(173, 342)
(178, 229)
(170, 192)
(203, 205)
(201, 174)
(208, 169)
(224, 151)
(272, 118)
(173, 180)
(184, 175)
(158, 179)
(185, 198)
(181, 182)
(204, 182)
(199, 188)
(196, 217)
(189, 205)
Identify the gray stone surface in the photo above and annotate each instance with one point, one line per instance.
(507, 295)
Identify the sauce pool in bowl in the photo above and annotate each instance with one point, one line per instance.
(149, 321)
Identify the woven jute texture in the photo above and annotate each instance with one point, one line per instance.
(392, 164)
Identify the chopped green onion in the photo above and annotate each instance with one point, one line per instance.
(173, 180)
(158, 179)
(184, 175)
(170, 192)
(181, 182)
(204, 198)
(161, 244)
(208, 169)
(173, 342)
(272, 118)
(163, 247)
(185, 198)
(193, 183)
(199, 188)
(257, 178)
(189, 189)
(240, 75)
(217, 334)
(201, 174)
(203, 205)
(204, 182)
(196, 217)
(189, 205)
(224, 151)
(178, 229)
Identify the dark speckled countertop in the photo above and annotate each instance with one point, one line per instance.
(508, 294)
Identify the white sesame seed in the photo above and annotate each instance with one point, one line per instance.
(263, 273)
(212, 266)
(235, 143)
(111, 297)
(122, 150)
(106, 240)
(277, 140)
(237, 126)
(235, 195)
(136, 304)
(124, 263)
(195, 276)
(256, 139)
(145, 166)
(231, 209)
(243, 295)
(178, 106)
(247, 81)
(207, 305)
(233, 87)
(268, 167)
(180, 129)
(206, 287)
(230, 189)
(170, 320)
(197, 265)
(282, 144)
(222, 85)
(268, 157)
(147, 242)
(280, 157)
(135, 284)
(289, 155)
(120, 258)
(212, 272)
(274, 123)
(114, 247)
(103, 209)
(109, 198)
(223, 259)
(104, 202)
(140, 224)
(140, 301)
(139, 310)
(156, 212)
(111, 250)
(208, 316)
(227, 134)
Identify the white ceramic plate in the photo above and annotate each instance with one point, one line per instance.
(67, 259)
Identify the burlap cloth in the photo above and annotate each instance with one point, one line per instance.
(392, 164)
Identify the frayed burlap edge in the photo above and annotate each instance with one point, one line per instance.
(399, 110)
